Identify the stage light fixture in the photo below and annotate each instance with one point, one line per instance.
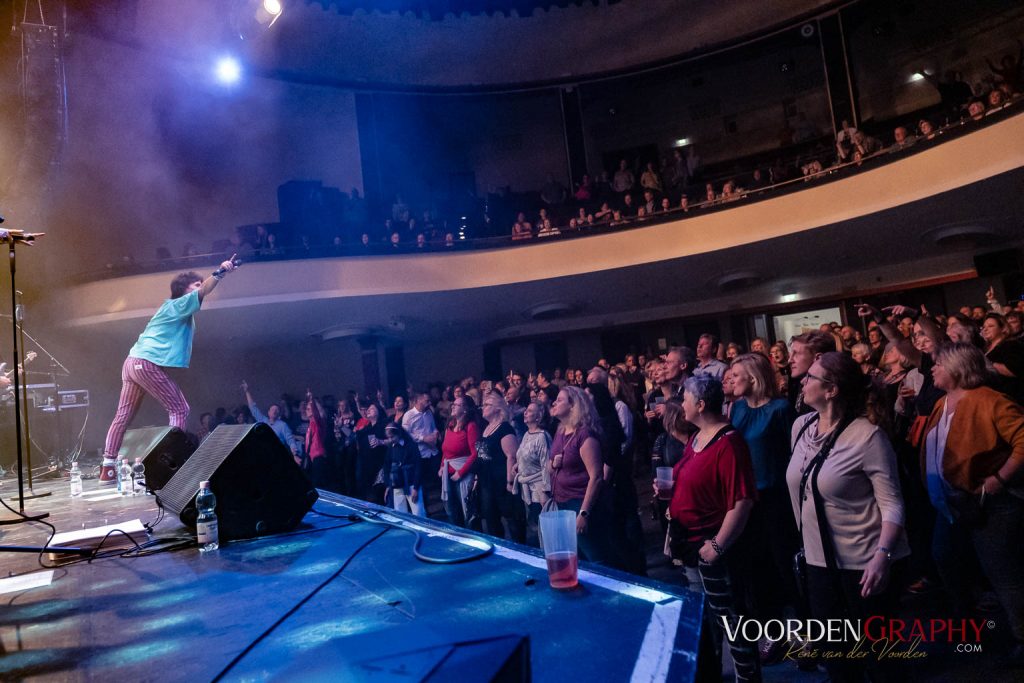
(228, 70)
(268, 12)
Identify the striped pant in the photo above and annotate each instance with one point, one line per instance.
(720, 594)
(138, 378)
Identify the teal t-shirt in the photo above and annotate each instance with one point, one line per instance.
(167, 339)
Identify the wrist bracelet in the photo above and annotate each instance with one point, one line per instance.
(886, 551)
(218, 275)
(714, 544)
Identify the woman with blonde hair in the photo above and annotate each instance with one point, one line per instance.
(765, 420)
(577, 473)
(971, 459)
(496, 460)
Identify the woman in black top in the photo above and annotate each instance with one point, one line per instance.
(370, 442)
(496, 471)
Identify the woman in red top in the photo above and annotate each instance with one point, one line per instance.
(713, 495)
(319, 439)
(458, 454)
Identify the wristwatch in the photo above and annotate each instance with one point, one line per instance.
(886, 551)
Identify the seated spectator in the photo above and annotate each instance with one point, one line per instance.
(604, 213)
(733, 351)
(623, 180)
(650, 205)
(709, 193)
(684, 203)
(521, 229)
(650, 180)
(972, 456)
(421, 241)
(629, 208)
(757, 180)
(902, 138)
(396, 240)
(547, 229)
(926, 129)
(666, 205)
(976, 109)
(583, 218)
(730, 191)
(618, 218)
(846, 499)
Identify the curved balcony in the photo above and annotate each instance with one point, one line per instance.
(884, 224)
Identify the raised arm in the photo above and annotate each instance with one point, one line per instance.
(210, 283)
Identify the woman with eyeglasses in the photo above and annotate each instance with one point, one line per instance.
(845, 492)
(972, 458)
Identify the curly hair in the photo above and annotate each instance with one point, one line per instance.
(182, 281)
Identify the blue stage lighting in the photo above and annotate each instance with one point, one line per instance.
(228, 70)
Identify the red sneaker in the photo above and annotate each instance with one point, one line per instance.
(108, 475)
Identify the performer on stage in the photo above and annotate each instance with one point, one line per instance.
(165, 343)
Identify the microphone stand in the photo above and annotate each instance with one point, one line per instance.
(12, 237)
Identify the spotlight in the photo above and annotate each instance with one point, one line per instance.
(228, 70)
(681, 142)
(250, 18)
(268, 12)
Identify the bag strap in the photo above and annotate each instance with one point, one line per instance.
(811, 472)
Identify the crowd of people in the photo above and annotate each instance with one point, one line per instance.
(639, 189)
(823, 477)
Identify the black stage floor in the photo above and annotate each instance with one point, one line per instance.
(333, 600)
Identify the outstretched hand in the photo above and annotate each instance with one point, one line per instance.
(245, 387)
(230, 264)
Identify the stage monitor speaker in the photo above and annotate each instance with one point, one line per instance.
(997, 262)
(163, 451)
(259, 488)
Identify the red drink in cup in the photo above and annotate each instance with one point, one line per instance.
(558, 539)
(562, 569)
(663, 482)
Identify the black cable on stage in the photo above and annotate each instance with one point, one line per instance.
(249, 648)
(373, 517)
(26, 519)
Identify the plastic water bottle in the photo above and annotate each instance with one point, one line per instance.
(76, 480)
(138, 478)
(124, 477)
(207, 532)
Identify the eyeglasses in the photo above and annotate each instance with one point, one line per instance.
(820, 379)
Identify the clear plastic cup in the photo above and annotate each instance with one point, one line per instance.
(558, 537)
(663, 481)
